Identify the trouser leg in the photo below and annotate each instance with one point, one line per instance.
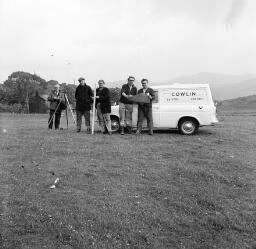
(128, 114)
(140, 118)
(87, 120)
(50, 121)
(79, 115)
(57, 120)
(122, 114)
(100, 118)
(149, 117)
(107, 122)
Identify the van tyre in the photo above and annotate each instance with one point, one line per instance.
(188, 126)
(115, 124)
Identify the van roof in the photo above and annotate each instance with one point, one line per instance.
(180, 85)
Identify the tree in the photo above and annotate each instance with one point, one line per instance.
(115, 94)
(21, 86)
(69, 90)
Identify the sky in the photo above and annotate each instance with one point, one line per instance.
(112, 39)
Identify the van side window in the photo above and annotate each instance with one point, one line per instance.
(156, 97)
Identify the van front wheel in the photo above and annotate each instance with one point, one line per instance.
(188, 126)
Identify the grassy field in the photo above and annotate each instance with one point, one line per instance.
(165, 191)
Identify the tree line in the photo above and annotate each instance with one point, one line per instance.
(23, 92)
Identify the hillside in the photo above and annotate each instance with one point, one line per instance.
(242, 103)
(223, 86)
(213, 78)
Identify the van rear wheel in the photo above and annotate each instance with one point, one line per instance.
(188, 126)
(115, 124)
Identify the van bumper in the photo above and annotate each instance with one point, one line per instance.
(210, 123)
(215, 121)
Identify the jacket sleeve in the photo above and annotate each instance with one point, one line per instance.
(90, 94)
(105, 95)
(152, 93)
(76, 93)
(122, 89)
(136, 91)
(140, 91)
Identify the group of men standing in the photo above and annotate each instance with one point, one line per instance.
(84, 99)
(126, 106)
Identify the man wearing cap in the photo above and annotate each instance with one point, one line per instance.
(145, 109)
(126, 105)
(55, 99)
(83, 97)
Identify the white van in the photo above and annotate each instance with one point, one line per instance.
(185, 107)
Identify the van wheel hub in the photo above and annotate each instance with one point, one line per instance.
(188, 127)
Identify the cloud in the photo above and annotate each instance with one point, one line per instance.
(159, 39)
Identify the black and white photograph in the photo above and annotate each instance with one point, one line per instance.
(128, 124)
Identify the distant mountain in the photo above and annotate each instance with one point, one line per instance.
(213, 78)
(223, 86)
(238, 104)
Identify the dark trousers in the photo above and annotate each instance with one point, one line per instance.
(79, 115)
(145, 112)
(56, 119)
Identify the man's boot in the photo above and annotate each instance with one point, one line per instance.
(129, 129)
(122, 130)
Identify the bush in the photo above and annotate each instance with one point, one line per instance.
(17, 108)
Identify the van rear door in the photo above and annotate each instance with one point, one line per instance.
(179, 102)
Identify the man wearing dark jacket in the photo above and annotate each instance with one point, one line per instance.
(103, 106)
(126, 105)
(145, 109)
(83, 97)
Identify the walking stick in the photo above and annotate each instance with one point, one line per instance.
(93, 109)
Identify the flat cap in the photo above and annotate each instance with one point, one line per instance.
(131, 78)
(80, 79)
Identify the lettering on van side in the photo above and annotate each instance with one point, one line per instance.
(183, 94)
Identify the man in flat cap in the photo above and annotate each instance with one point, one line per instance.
(126, 105)
(83, 97)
